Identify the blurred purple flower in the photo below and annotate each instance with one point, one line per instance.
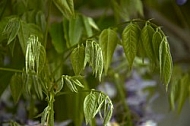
(181, 2)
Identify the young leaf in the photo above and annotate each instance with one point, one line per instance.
(156, 40)
(12, 29)
(16, 85)
(89, 107)
(108, 41)
(130, 39)
(70, 85)
(165, 60)
(146, 38)
(35, 56)
(66, 7)
(77, 59)
(93, 55)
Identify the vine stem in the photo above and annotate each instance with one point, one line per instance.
(47, 25)
(11, 70)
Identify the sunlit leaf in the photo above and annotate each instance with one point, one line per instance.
(146, 38)
(94, 56)
(16, 85)
(66, 7)
(108, 40)
(89, 107)
(130, 40)
(97, 102)
(165, 60)
(35, 55)
(77, 59)
(72, 82)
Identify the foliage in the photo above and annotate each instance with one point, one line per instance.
(57, 58)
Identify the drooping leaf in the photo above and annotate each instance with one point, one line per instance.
(108, 41)
(37, 86)
(156, 40)
(94, 56)
(97, 102)
(130, 40)
(72, 82)
(183, 91)
(35, 56)
(73, 30)
(58, 41)
(66, 7)
(77, 59)
(12, 28)
(146, 38)
(165, 60)
(16, 86)
(89, 107)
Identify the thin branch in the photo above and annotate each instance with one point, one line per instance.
(10, 70)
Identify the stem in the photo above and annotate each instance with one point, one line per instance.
(10, 70)
(120, 88)
(51, 115)
(47, 25)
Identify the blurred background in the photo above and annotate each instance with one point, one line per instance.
(146, 97)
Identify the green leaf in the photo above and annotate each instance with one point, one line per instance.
(12, 28)
(24, 33)
(130, 40)
(66, 7)
(89, 107)
(87, 26)
(156, 40)
(16, 86)
(165, 60)
(146, 38)
(73, 30)
(183, 91)
(35, 56)
(71, 82)
(108, 41)
(97, 102)
(58, 41)
(77, 59)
